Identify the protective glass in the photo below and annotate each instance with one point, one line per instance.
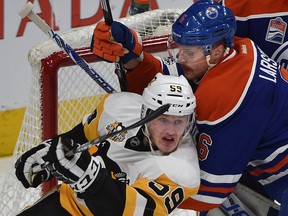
(185, 53)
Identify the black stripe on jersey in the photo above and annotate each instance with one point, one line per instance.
(150, 205)
(136, 142)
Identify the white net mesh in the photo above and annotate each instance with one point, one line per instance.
(77, 95)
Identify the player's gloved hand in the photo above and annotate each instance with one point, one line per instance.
(117, 41)
(79, 170)
(28, 166)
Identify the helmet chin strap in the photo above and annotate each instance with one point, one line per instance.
(147, 135)
(227, 50)
(210, 65)
(208, 57)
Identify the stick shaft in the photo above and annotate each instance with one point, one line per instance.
(27, 11)
(119, 67)
(88, 145)
(148, 118)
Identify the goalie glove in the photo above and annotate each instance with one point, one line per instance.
(117, 41)
(27, 168)
(79, 170)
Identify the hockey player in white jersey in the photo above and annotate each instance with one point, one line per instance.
(148, 170)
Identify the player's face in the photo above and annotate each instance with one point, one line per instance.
(192, 61)
(166, 132)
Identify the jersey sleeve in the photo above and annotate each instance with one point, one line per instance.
(142, 74)
(159, 197)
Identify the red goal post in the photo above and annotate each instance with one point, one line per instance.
(61, 93)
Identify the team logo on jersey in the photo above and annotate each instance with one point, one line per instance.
(116, 126)
(135, 142)
(121, 176)
(211, 13)
(281, 55)
(276, 30)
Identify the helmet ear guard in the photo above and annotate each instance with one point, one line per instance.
(205, 23)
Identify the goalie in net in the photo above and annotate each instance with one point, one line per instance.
(148, 170)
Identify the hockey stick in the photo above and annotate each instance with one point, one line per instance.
(119, 68)
(162, 109)
(148, 118)
(27, 11)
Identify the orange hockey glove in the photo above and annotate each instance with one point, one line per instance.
(117, 41)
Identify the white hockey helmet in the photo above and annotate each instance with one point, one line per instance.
(173, 90)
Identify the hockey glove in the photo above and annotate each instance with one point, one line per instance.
(28, 169)
(117, 41)
(79, 170)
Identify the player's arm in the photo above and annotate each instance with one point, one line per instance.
(120, 42)
(91, 186)
(144, 197)
(28, 167)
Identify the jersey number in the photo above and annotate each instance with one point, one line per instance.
(203, 146)
(172, 200)
(175, 88)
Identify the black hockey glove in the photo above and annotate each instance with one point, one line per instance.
(28, 169)
(79, 170)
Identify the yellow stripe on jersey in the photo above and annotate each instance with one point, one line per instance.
(130, 204)
(166, 194)
(68, 201)
(158, 197)
(91, 129)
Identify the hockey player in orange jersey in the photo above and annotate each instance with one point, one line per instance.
(148, 170)
(242, 99)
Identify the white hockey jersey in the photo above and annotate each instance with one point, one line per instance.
(142, 182)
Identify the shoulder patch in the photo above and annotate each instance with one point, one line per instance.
(116, 126)
(276, 30)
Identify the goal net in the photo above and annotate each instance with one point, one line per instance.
(62, 93)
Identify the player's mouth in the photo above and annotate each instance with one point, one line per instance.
(168, 140)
